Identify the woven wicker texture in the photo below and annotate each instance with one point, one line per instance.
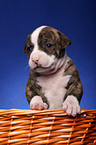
(26, 127)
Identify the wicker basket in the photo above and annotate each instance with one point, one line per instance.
(26, 127)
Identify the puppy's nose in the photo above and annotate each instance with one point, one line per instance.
(35, 61)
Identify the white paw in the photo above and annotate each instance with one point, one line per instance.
(37, 103)
(71, 106)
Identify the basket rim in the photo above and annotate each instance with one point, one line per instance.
(50, 111)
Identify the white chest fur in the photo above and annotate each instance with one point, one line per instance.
(53, 87)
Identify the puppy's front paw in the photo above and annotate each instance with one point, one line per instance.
(37, 103)
(39, 106)
(71, 106)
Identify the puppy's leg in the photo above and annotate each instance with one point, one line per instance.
(74, 90)
(71, 105)
(35, 100)
(34, 94)
(73, 97)
(37, 103)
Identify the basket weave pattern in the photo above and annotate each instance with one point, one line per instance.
(26, 127)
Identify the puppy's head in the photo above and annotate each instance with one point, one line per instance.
(45, 48)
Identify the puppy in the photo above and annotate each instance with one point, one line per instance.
(54, 81)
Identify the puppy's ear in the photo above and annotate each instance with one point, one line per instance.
(65, 41)
(27, 44)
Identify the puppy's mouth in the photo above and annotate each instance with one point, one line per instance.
(44, 70)
(40, 66)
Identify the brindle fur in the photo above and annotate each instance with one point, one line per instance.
(28, 46)
(74, 86)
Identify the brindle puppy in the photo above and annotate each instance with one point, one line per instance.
(53, 80)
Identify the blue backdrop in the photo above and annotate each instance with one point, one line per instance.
(18, 18)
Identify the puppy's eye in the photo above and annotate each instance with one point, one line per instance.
(48, 45)
(29, 49)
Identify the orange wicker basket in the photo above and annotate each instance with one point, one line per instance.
(26, 127)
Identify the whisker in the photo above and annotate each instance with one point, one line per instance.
(25, 63)
(26, 67)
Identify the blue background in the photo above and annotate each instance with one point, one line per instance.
(18, 18)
